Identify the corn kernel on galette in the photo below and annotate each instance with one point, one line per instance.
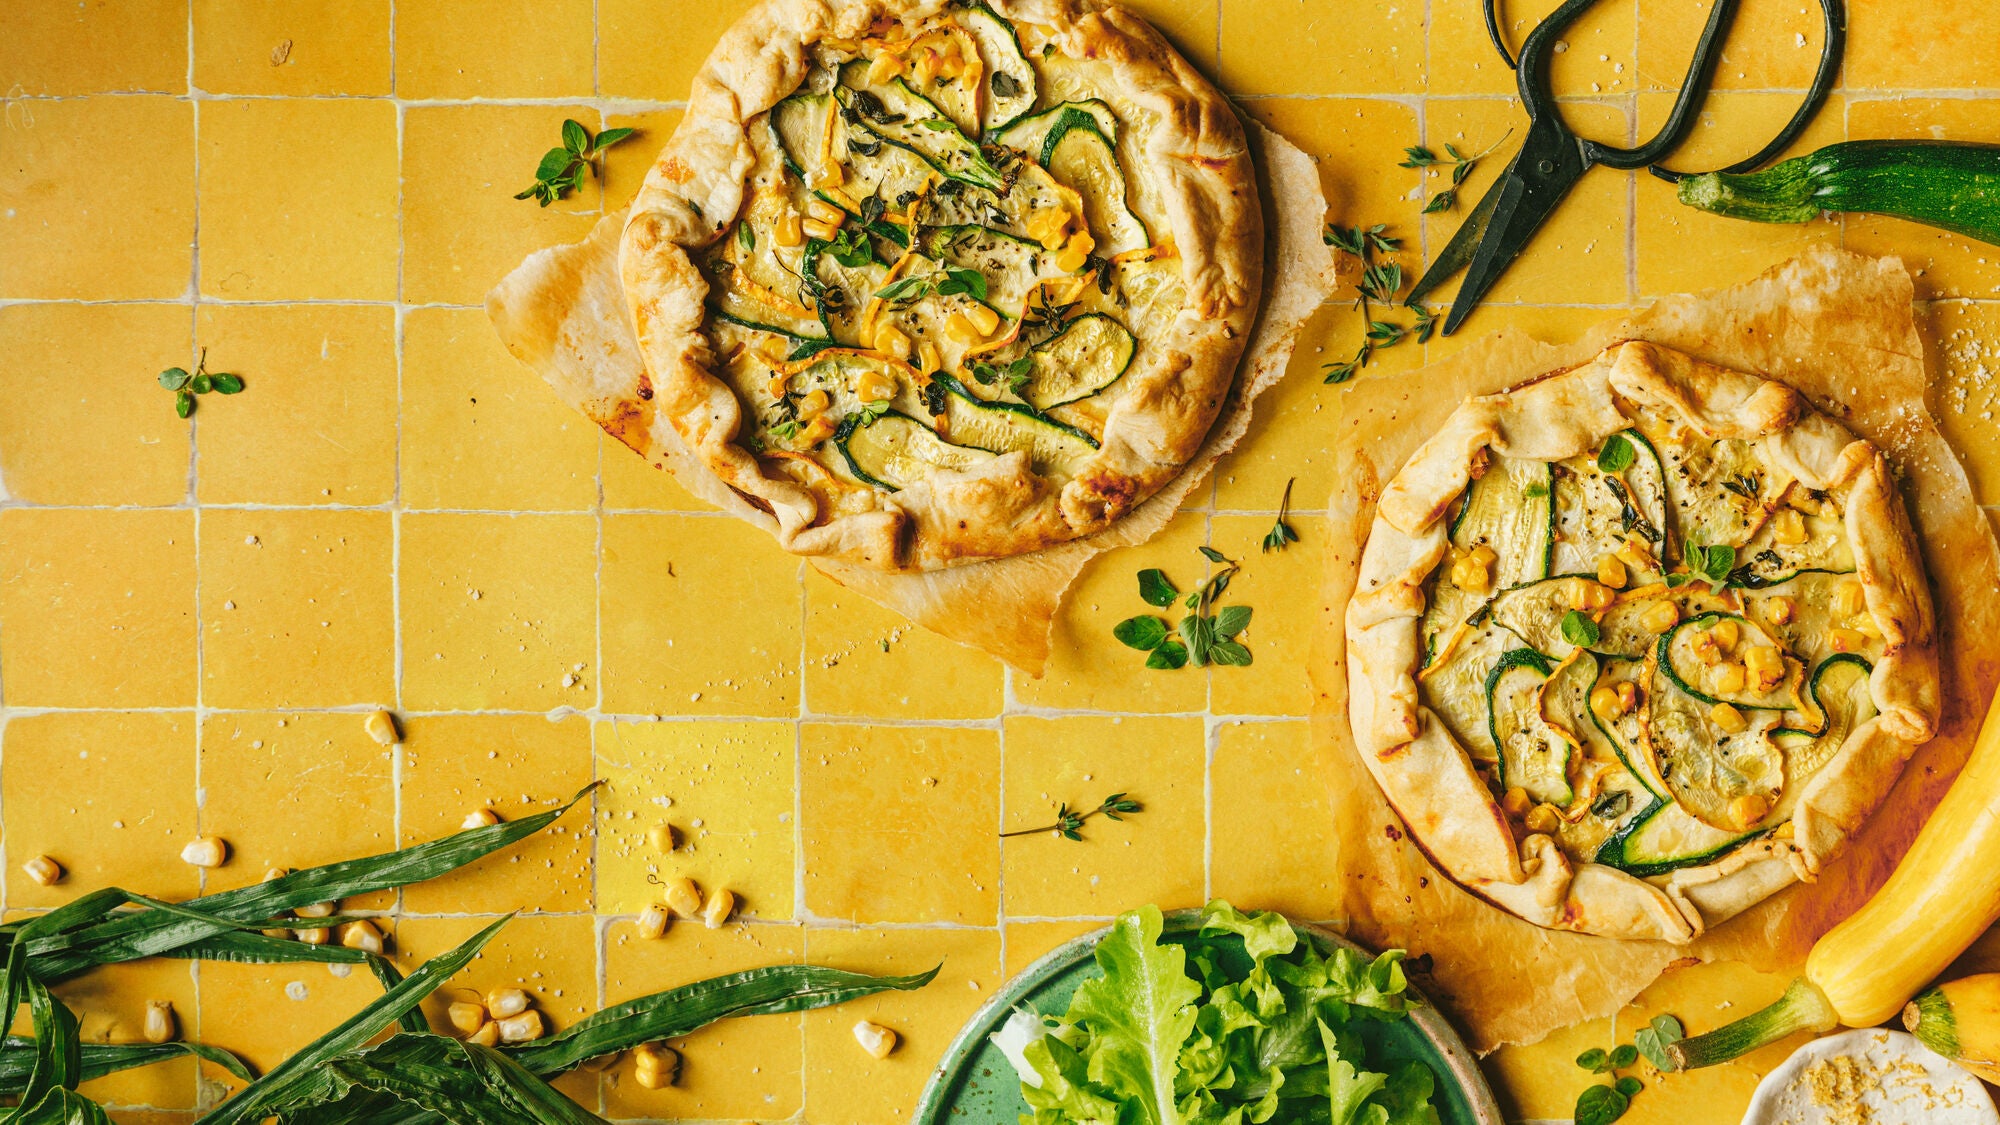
(934, 281)
(1640, 643)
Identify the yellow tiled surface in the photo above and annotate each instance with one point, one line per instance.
(395, 514)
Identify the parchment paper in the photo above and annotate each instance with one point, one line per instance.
(1840, 328)
(563, 310)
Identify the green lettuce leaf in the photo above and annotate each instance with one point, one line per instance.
(1349, 1088)
(1138, 1013)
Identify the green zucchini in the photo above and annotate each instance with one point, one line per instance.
(1766, 562)
(1595, 509)
(1666, 838)
(1011, 87)
(1806, 632)
(1681, 664)
(1625, 734)
(801, 346)
(1089, 354)
(797, 125)
(894, 450)
(1009, 263)
(1084, 159)
(1030, 133)
(1950, 185)
(1704, 767)
(901, 116)
(1510, 509)
(1006, 427)
(1533, 756)
(1456, 689)
(1840, 693)
(1536, 611)
(1717, 490)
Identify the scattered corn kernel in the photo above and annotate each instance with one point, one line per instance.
(1750, 809)
(720, 905)
(1611, 572)
(506, 1002)
(1484, 554)
(209, 851)
(827, 176)
(1782, 609)
(814, 228)
(381, 726)
(317, 935)
(361, 934)
(317, 909)
(522, 1028)
(488, 1035)
(1729, 678)
(1865, 625)
(1604, 703)
(816, 431)
(1628, 695)
(467, 1016)
(44, 871)
(1071, 257)
(825, 212)
(1764, 662)
(873, 386)
(1596, 595)
(652, 922)
(1661, 616)
(1785, 831)
(1788, 527)
(160, 1025)
(875, 1039)
(1516, 802)
(662, 837)
(1543, 818)
(683, 897)
(984, 319)
(1849, 599)
(480, 818)
(891, 340)
(1728, 718)
(1846, 640)
(1706, 647)
(788, 231)
(655, 1065)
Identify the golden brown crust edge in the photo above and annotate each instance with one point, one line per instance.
(1201, 166)
(1566, 414)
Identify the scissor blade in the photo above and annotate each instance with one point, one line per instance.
(1524, 203)
(1457, 253)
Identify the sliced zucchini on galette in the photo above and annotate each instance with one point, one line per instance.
(1672, 619)
(1031, 233)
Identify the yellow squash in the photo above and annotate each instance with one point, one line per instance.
(1961, 1021)
(1944, 894)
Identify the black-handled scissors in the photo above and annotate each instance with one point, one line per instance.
(1553, 158)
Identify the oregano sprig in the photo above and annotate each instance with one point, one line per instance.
(563, 168)
(1607, 1101)
(185, 386)
(1068, 820)
(1281, 534)
(1206, 635)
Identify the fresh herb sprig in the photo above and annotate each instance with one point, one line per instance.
(1068, 820)
(1713, 563)
(1417, 156)
(1606, 1102)
(972, 283)
(185, 386)
(563, 168)
(1206, 635)
(1380, 282)
(1281, 534)
(1014, 376)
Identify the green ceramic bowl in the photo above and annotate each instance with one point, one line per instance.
(975, 1085)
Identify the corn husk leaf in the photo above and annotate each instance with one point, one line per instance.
(430, 1078)
(17, 1059)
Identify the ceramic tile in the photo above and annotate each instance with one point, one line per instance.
(1772, 45)
(669, 647)
(1088, 668)
(1946, 265)
(1355, 142)
(651, 49)
(298, 199)
(1732, 126)
(1892, 47)
(61, 47)
(497, 611)
(1281, 589)
(292, 46)
(100, 430)
(265, 1013)
(297, 608)
(462, 227)
(913, 801)
(97, 607)
(739, 1068)
(1362, 47)
(1274, 769)
(1550, 324)
(1028, 942)
(631, 482)
(494, 48)
(1155, 855)
(294, 790)
(482, 431)
(105, 830)
(1541, 1081)
(1702, 997)
(844, 1085)
(516, 766)
(110, 1006)
(1597, 48)
(1966, 395)
(625, 164)
(865, 661)
(726, 791)
(553, 958)
(315, 422)
(1192, 26)
(79, 217)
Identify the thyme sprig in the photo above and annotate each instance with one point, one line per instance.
(1281, 534)
(1380, 282)
(1417, 156)
(1068, 820)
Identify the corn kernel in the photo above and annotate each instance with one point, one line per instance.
(1543, 819)
(1729, 678)
(1484, 555)
(1845, 640)
(480, 818)
(825, 212)
(381, 726)
(488, 1035)
(960, 327)
(1070, 258)
(817, 229)
(875, 1039)
(984, 319)
(928, 359)
(1785, 831)
(827, 176)
(1046, 222)
(655, 1066)
(209, 851)
(720, 905)
(652, 922)
(817, 430)
(662, 837)
(44, 871)
(505, 1002)
(361, 934)
(683, 897)
(1726, 633)
(522, 1028)
(884, 67)
(1661, 616)
(1611, 572)
(1596, 595)
(1467, 574)
(1782, 609)
(160, 1025)
(814, 404)
(466, 1015)
(873, 386)
(317, 909)
(1516, 802)
(1083, 241)
(1788, 527)
(926, 67)
(1628, 695)
(318, 935)
(1749, 809)
(890, 340)
(1706, 648)
(1604, 703)
(1865, 625)
(1849, 599)
(1728, 718)
(787, 231)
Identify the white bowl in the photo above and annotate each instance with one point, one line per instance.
(1899, 1081)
